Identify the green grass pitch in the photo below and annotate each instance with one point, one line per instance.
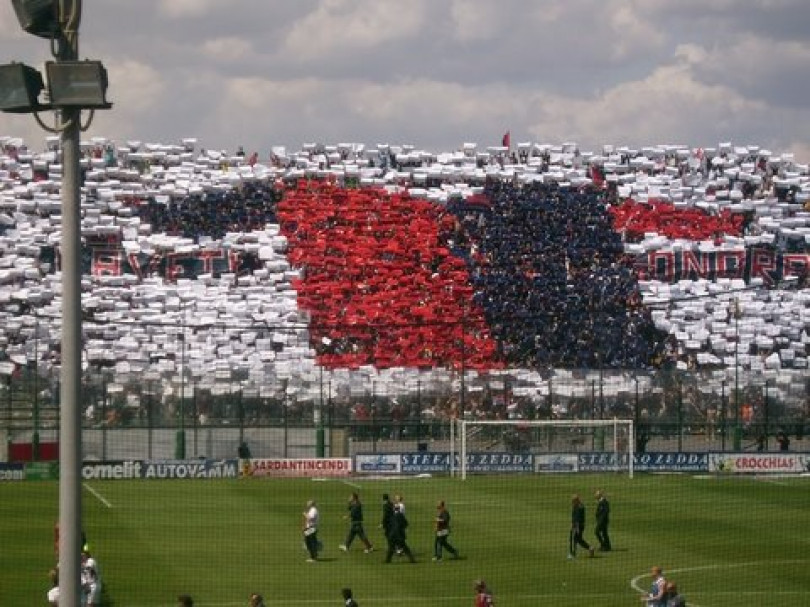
(726, 541)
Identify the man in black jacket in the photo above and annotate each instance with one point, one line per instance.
(397, 538)
(387, 520)
(356, 528)
(577, 528)
(602, 521)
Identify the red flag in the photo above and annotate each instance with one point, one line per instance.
(507, 140)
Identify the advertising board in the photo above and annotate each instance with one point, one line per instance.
(187, 469)
(644, 462)
(12, 472)
(378, 463)
(555, 462)
(759, 463)
(41, 471)
(160, 469)
(302, 467)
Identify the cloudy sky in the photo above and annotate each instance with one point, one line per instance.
(437, 73)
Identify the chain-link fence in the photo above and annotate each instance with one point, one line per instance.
(200, 389)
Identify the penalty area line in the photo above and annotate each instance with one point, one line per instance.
(97, 495)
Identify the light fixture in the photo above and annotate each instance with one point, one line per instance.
(38, 17)
(77, 84)
(20, 86)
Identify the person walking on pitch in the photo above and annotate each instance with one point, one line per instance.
(356, 528)
(577, 528)
(602, 521)
(442, 527)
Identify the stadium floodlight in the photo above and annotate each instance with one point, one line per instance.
(39, 17)
(20, 86)
(77, 84)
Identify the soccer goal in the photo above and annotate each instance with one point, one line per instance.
(541, 446)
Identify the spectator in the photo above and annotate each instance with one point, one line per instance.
(783, 441)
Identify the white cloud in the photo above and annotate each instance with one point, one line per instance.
(344, 27)
(187, 8)
(631, 33)
(476, 20)
(667, 106)
(135, 87)
(8, 22)
(778, 71)
(229, 48)
(137, 92)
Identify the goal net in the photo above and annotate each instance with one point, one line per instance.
(488, 446)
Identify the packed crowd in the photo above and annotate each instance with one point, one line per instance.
(378, 281)
(550, 273)
(543, 242)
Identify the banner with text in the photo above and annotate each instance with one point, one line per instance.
(424, 462)
(644, 462)
(376, 463)
(12, 472)
(168, 469)
(760, 463)
(304, 467)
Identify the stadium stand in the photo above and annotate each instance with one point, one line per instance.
(525, 263)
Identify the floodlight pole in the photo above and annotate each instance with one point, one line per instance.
(70, 432)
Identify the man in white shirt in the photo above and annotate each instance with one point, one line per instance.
(310, 530)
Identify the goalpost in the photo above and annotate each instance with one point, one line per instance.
(535, 439)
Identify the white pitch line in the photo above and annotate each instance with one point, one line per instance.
(97, 495)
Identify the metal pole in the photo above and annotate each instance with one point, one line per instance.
(10, 403)
(737, 427)
(241, 412)
(180, 442)
(723, 414)
(419, 411)
(331, 407)
(765, 412)
(461, 399)
(374, 416)
(35, 437)
(319, 431)
(104, 414)
(680, 413)
(285, 411)
(149, 421)
(70, 431)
